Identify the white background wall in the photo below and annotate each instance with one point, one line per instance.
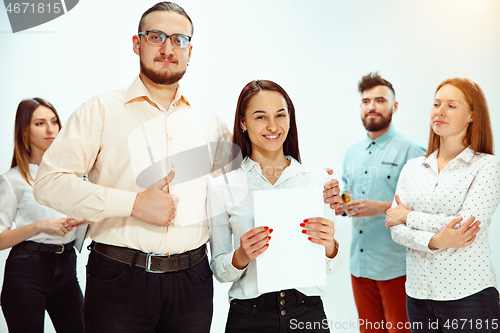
(317, 50)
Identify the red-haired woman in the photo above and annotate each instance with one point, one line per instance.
(40, 272)
(445, 201)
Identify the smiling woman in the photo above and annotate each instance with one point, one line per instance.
(266, 132)
(255, 93)
(267, 124)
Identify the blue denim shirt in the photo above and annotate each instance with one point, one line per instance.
(371, 171)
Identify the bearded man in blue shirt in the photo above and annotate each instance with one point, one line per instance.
(370, 173)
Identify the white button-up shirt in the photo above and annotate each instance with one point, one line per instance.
(19, 206)
(231, 211)
(468, 186)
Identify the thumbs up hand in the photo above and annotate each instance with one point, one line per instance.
(156, 205)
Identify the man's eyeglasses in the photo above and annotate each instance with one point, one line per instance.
(158, 38)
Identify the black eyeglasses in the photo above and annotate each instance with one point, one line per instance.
(158, 38)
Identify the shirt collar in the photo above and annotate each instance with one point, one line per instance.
(138, 90)
(383, 140)
(466, 155)
(248, 165)
(428, 161)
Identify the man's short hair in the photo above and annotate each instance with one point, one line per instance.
(166, 6)
(372, 80)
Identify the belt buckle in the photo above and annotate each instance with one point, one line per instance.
(62, 249)
(148, 261)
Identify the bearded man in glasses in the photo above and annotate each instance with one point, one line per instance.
(147, 269)
(370, 172)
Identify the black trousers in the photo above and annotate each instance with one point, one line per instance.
(278, 312)
(35, 281)
(479, 312)
(126, 299)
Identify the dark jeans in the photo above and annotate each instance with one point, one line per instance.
(278, 312)
(127, 299)
(479, 312)
(35, 281)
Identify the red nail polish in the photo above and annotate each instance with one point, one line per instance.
(309, 238)
(303, 231)
(306, 220)
(269, 237)
(302, 225)
(271, 230)
(267, 244)
(265, 228)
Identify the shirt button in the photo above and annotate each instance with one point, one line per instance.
(373, 142)
(366, 172)
(363, 192)
(361, 250)
(282, 294)
(370, 153)
(388, 177)
(361, 231)
(283, 312)
(282, 302)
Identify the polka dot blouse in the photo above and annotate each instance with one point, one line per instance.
(468, 186)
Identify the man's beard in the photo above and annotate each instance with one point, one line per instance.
(372, 125)
(161, 78)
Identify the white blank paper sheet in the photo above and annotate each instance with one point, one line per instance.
(291, 261)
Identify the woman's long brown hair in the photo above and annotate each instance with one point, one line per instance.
(22, 150)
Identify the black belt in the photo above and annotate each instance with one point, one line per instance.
(53, 248)
(152, 262)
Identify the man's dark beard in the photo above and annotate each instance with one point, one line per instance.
(373, 126)
(161, 78)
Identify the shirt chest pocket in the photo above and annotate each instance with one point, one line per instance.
(385, 180)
